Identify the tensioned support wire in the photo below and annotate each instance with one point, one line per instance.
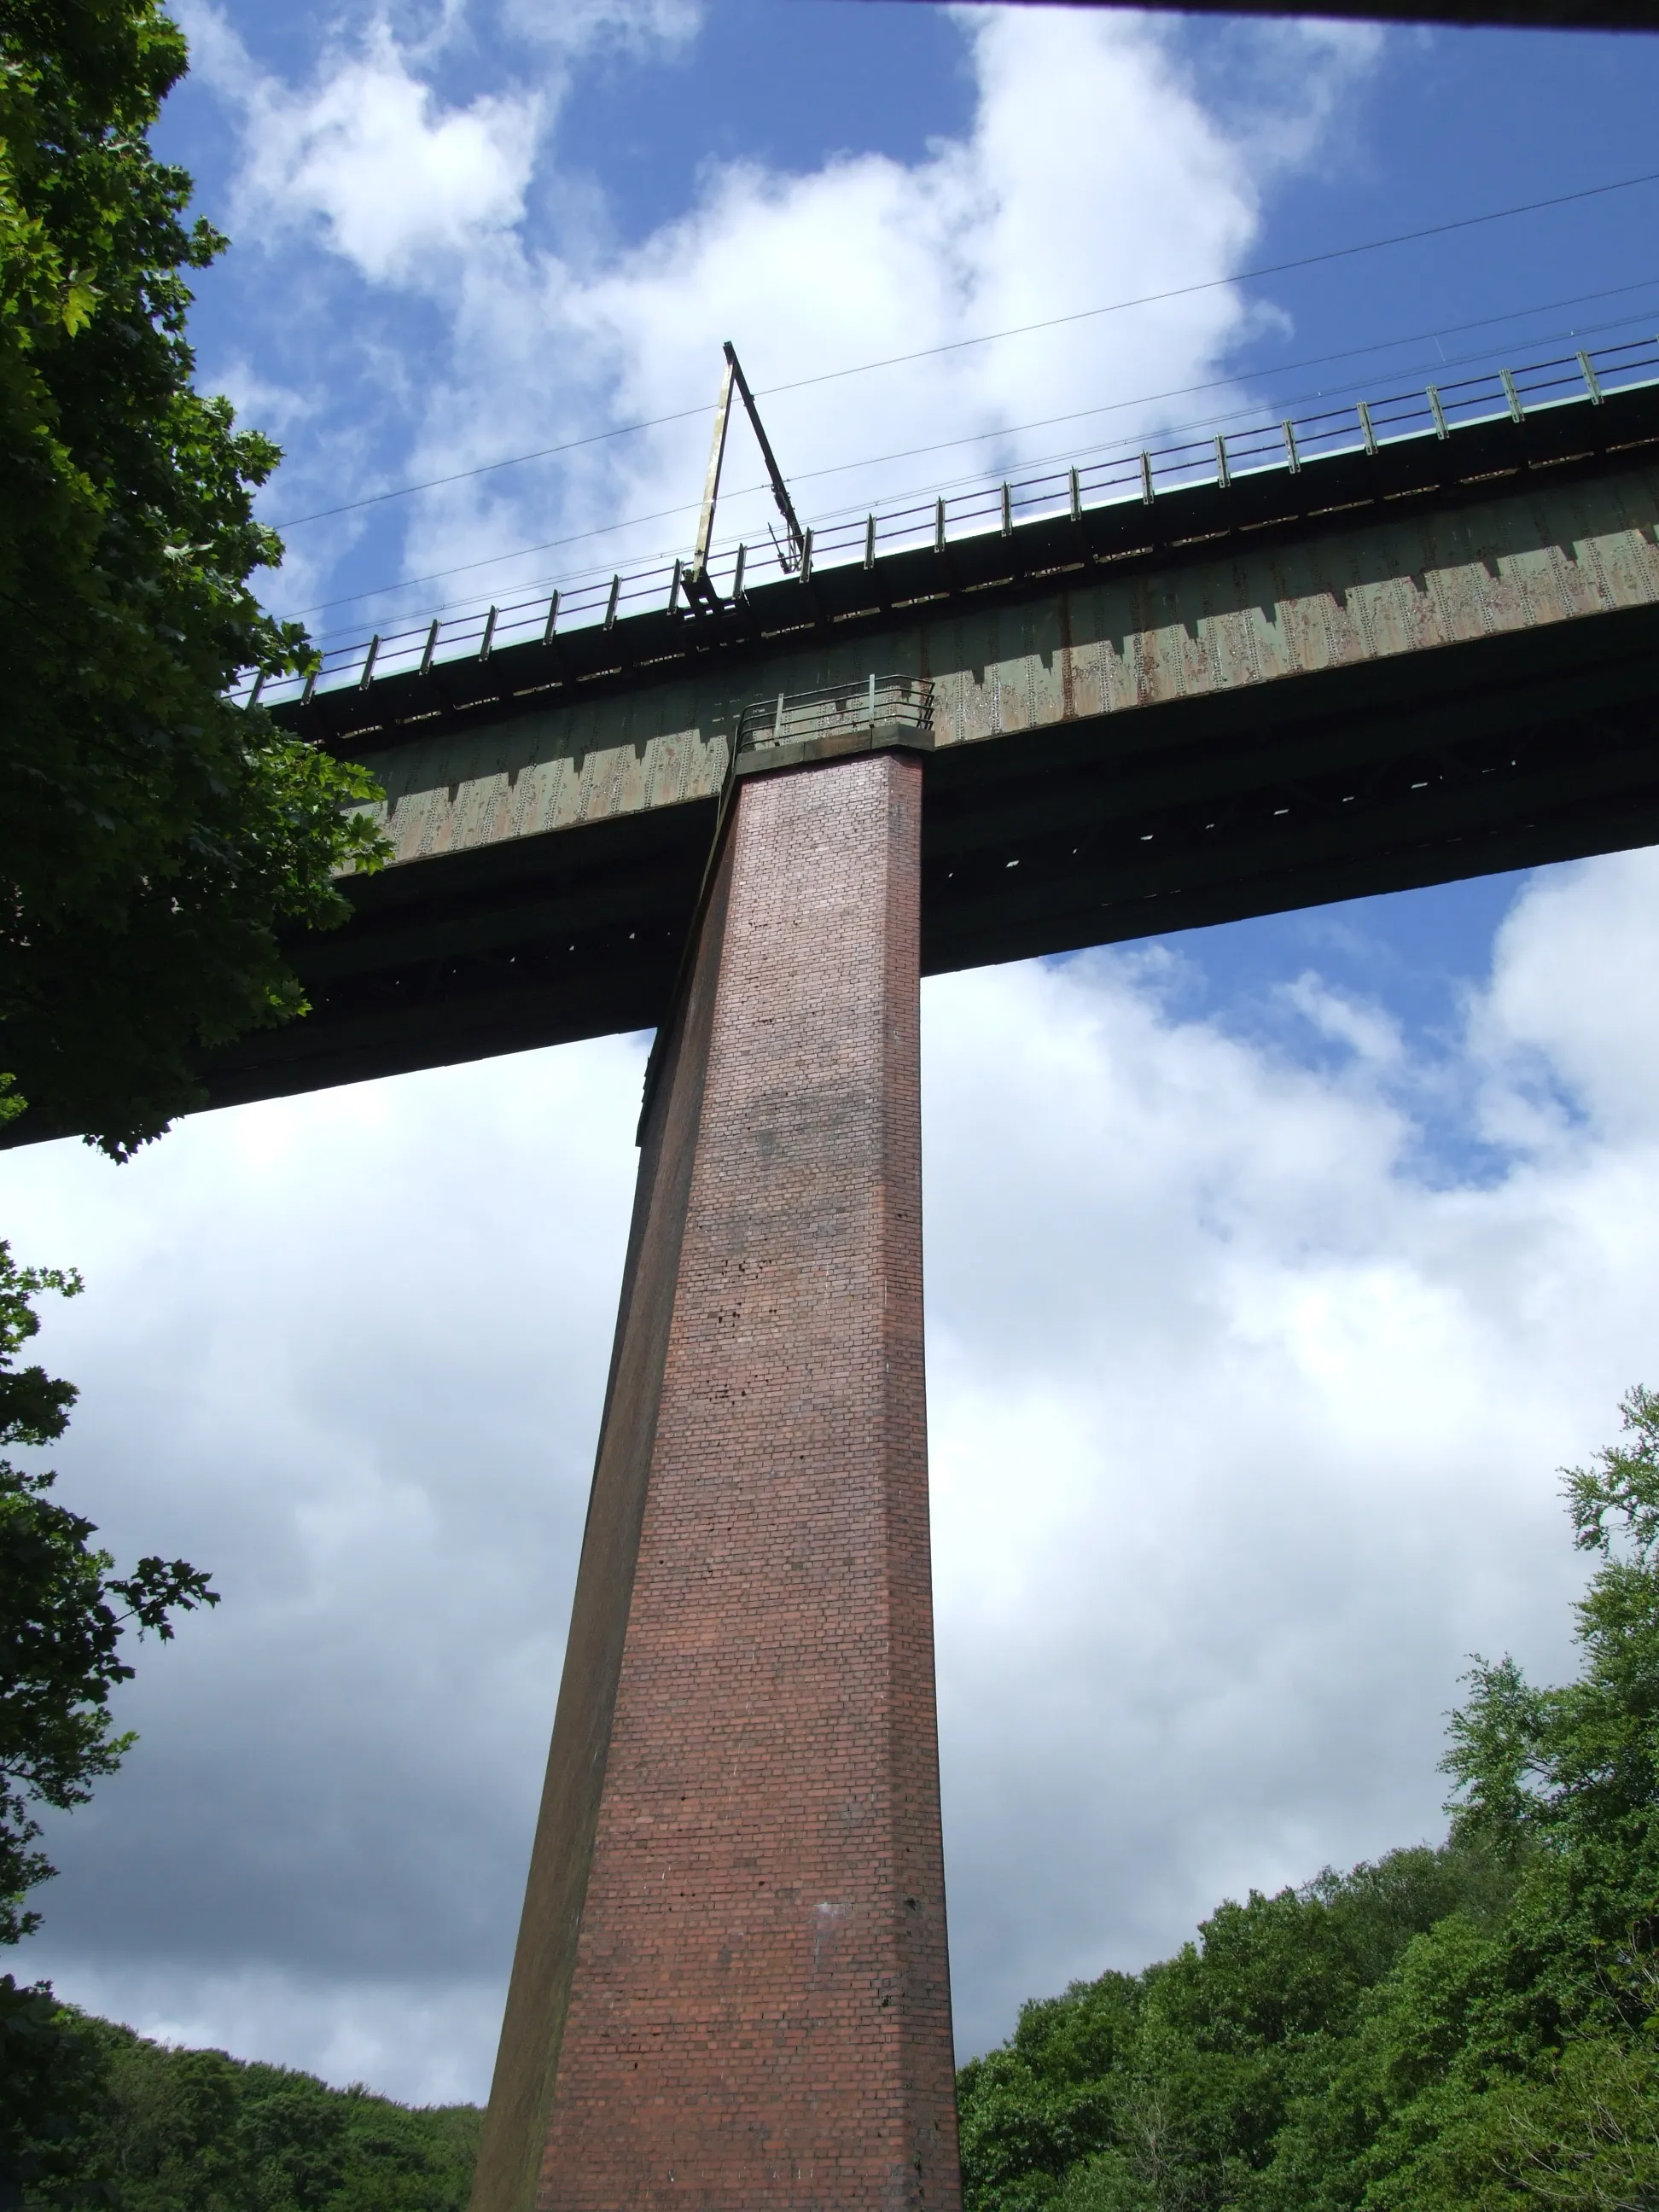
(792, 554)
(1287, 443)
(1210, 423)
(992, 338)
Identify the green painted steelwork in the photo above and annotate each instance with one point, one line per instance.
(1384, 669)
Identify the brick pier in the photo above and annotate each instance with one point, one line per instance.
(731, 1991)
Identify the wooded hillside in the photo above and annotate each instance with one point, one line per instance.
(1473, 2027)
(1464, 2029)
(173, 2130)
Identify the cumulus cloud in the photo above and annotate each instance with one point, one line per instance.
(1576, 962)
(365, 159)
(1244, 1434)
(1095, 168)
(266, 1415)
(578, 26)
(1368, 1031)
(369, 160)
(424, 2033)
(1092, 172)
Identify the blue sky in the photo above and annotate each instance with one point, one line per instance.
(1353, 137)
(1272, 1271)
(1327, 142)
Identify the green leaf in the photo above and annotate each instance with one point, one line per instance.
(79, 302)
(161, 848)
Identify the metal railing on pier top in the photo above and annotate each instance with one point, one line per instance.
(1433, 410)
(869, 702)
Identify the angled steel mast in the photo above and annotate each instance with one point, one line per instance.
(699, 587)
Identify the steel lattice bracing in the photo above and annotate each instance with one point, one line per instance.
(1367, 671)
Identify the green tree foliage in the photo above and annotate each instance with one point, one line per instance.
(1470, 2029)
(51, 2081)
(153, 837)
(195, 2132)
(1172, 2088)
(63, 1613)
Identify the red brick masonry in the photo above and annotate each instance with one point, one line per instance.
(746, 2003)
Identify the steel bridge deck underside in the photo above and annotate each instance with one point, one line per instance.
(1377, 672)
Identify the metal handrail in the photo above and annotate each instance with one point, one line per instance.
(863, 702)
(1365, 426)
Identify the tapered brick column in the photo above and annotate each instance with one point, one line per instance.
(730, 1988)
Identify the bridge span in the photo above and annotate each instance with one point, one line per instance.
(1382, 648)
(1292, 675)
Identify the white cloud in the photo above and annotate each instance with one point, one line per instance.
(360, 1754)
(578, 26)
(1093, 170)
(1368, 1031)
(423, 2034)
(1243, 1436)
(1090, 173)
(1578, 963)
(367, 155)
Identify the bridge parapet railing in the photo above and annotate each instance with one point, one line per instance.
(1122, 476)
(837, 710)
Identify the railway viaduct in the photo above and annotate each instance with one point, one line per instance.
(1346, 667)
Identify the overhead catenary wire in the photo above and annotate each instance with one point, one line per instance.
(991, 337)
(982, 437)
(1246, 410)
(1538, 383)
(1221, 383)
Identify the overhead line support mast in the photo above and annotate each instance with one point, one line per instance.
(698, 585)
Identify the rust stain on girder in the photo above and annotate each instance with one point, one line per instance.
(1102, 649)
